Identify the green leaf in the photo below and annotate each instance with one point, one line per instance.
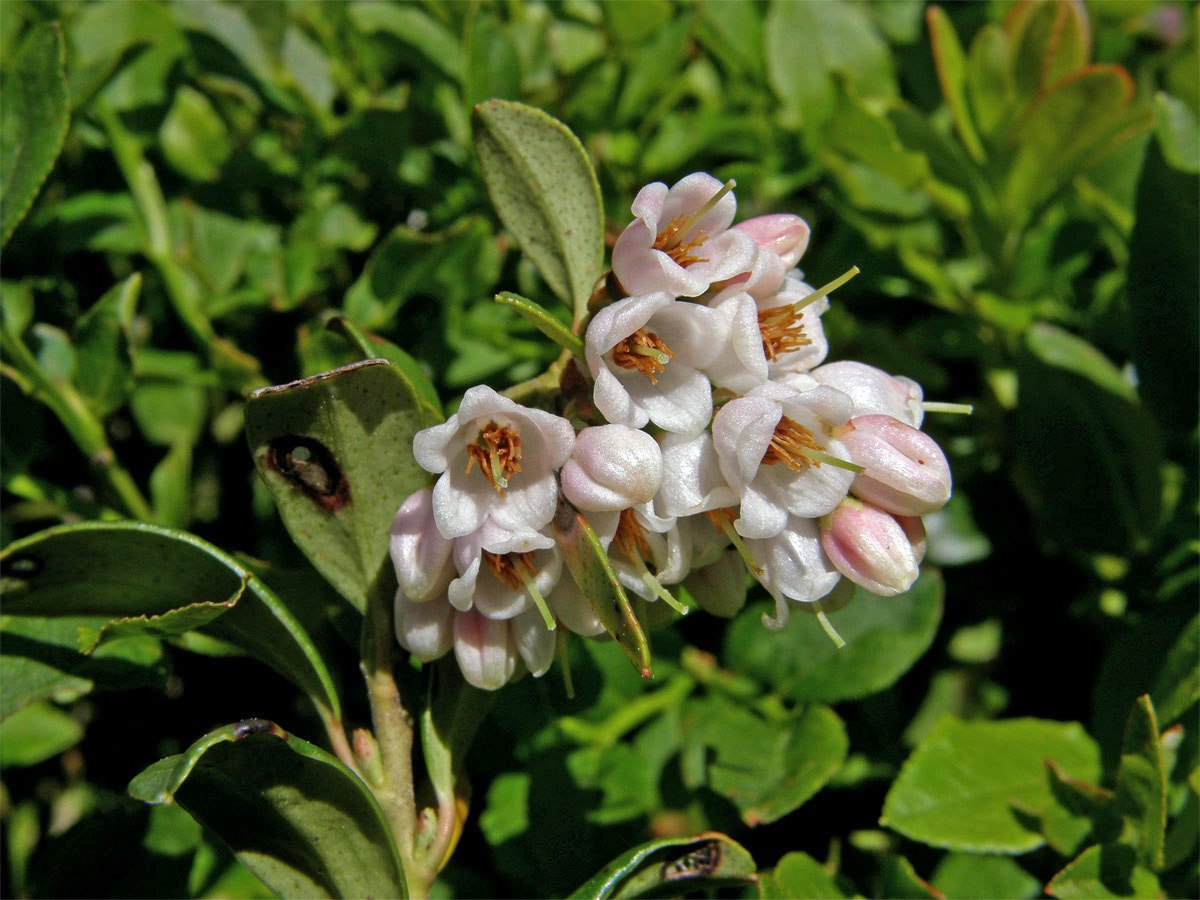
(336, 452)
(967, 784)
(103, 366)
(543, 320)
(545, 193)
(884, 638)
(1102, 871)
(1066, 130)
(293, 814)
(766, 768)
(120, 571)
(33, 121)
(990, 88)
(898, 880)
(1077, 427)
(677, 864)
(169, 413)
(410, 371)
(493, 63)
(37, 733)
(1076, 811)
(799, 877)
(1142, 785)
(653, 66)
(416, 28)
(952, 75)
(839, 41)
(171, 487)
(964, 876)
(1178, 133)
(1049, 41)
(1177, 687)
(193, 138)
(596, 579)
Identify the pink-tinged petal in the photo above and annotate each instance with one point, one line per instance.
(535, 642)
(692, 479)
(614, 402)
(870, 547)
(528, 503)
(689, 194)
(484, 649)
(618, 321)
(648, 205)
(784, 235)
(741, 365)
(726, 256)
(461, 591)
(419, 553)
(461, 501)
(742, 432)
(434, 448)
(905, 471)
(424, 629)
(875, 391)
(694, 333)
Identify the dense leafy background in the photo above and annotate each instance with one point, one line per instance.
(203, 198)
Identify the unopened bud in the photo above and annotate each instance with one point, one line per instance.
(872, 548)
(783, 234)
(366, 751)
(904, 472)
(613, 467)
(874, 391)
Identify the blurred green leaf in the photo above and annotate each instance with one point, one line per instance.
(991, 91)
(732, 30)
(1165, 318)
(1142, 785)
(134, 572)
(492, 67)
(1077, 427)
(416, 28)
(309, 67)
(666, 864)
(965, 876)
(335, 451)
(952, 75)
(966, 783)
(1049, 41)
(103, 366)
(33, 121)
(898, 879)
(633, 24)
(37, 733)
(1103, 871)
(293, 814)
(374, 347)
(653, 68)
(169, 413)
(839, 41)
(884, 638)
(546, 193)
(800, 877)
(1177, 687)
(1178, 133)
(193, 137)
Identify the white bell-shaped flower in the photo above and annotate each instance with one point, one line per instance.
(497, 459)
(777, 451)
(793, 567)
(874, 391)
(645, 354)
(680, 241)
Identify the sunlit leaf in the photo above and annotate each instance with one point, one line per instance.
(297, 818)
(37, 733)
(1104, 871)
(677, 864)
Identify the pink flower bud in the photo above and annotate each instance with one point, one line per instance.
(613, 467)
(783, 234)
(873, 548)
(419, 552)
(905, 472)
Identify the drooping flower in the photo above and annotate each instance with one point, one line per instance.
(692, 479)
(792, 566)
(904, 472)
(873, 548)
(680, 241)
(420, 554)
(500, 580)
(497, 460)
(790, 328)
(611, 468)
(777, 451)
(782, 239)
(645, 353)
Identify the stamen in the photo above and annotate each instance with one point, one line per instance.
(631, 540)
(644, 352)
(789, 444)
(515, 570)
(820, 292)
(497, 450)
(782, 331)
(723, 520)
(674, 233)
(962, 409)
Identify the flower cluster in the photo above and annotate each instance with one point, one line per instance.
(709, 437)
